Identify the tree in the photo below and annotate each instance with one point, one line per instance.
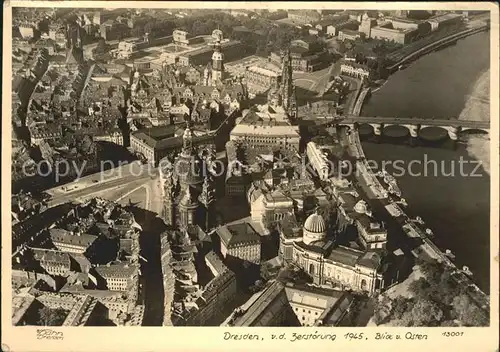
(342, 48)
(382, 72)
(432, 270)
(467, 312)
(51, 317)
(426, 313)
(137, 31)
(381, 310)
(420, 288)
(400, 305)
(148, 28)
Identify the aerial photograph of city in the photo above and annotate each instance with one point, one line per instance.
(244, 168)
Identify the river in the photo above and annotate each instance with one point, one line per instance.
(450, 83)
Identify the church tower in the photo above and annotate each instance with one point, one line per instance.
(287, 87)
(207, 198)
(187, 141)
(169, 194)
(169, 204)
(188, 207)
(217, 62)
(366, 25)
(74, 51)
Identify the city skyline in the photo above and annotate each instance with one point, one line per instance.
(221, 167)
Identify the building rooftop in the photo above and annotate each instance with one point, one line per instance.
(370, 260)
(289, 227)
(263, 71)
(214, 286)
(350, 32)
(345, 255)
(67, 237)
(394, 30)
(320, 247)
(403, 20)
(312, 296)
(444, 17)
(277, 196)
(270, 302)
(333, 316)
(116, 270)
(269, 131)
(354, 64)
(50, 255)
(214, 263)
(237, 234)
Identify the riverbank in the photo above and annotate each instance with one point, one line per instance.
(477, 108)
(453, 207)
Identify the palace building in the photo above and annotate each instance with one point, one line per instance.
(312, 249)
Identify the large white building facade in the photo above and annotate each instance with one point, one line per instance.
(327, 263)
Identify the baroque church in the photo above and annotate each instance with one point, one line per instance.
(188, 190)
(314, 248)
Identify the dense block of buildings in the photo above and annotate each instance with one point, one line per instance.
(52, 261)
(64, 248)
(372, 234)
(304, 16)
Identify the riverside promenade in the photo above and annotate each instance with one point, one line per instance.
(428, 47)
(427, 248)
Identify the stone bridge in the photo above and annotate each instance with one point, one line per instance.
(453, 126)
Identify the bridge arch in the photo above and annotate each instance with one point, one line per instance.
(467, 131)
(365, 128)
(393, 132)
(433, 132)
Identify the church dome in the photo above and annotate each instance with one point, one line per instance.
(315, 223)
(314, 228)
